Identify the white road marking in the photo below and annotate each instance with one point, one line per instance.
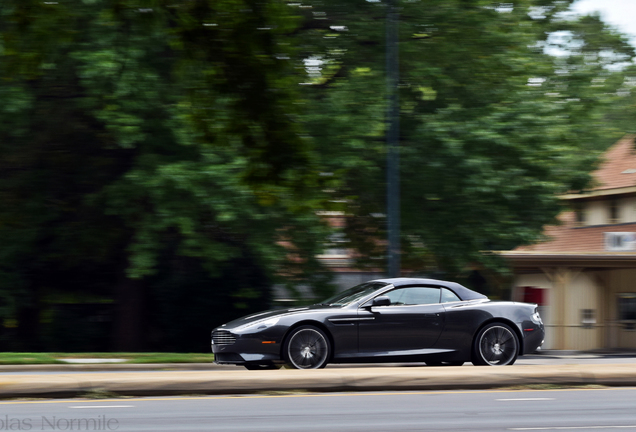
(572, 428)
(526, 399)
(101, 406)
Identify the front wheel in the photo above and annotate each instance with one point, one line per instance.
(307, 347)
(495, 345)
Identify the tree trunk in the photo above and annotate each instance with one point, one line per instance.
(129, 322)
(28, 327)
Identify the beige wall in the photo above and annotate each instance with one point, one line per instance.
(568, 292)
(582, 292)
(618, 281)
(628, 209)
(596, 212)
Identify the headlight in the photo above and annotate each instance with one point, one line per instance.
(536, 317)
(259, 325)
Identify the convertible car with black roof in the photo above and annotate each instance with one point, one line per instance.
(385, 320)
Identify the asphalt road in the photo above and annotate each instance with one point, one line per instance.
(611, 409)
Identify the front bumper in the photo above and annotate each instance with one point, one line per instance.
(239, 349)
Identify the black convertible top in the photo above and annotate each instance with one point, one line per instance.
(461, 291)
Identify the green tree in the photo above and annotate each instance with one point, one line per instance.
(501, 110)
(145, 136)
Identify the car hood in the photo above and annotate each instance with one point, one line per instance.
(260, 316)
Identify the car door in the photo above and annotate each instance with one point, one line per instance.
(411, 323)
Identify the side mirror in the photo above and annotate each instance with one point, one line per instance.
(381, 301)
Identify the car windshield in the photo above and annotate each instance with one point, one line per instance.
(353, 294)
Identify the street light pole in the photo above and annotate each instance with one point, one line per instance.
(392, 139)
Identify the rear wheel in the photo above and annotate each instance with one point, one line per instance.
(307, 347)
(495, 345)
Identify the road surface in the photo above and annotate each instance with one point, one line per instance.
(608, 409)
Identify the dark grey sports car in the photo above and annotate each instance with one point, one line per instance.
(385, 320)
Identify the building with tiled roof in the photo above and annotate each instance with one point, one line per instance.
(584, 274)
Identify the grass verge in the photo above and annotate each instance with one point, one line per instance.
(20, 358)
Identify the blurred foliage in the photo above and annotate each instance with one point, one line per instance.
(503, 107)
(152, 141)
(186, 146)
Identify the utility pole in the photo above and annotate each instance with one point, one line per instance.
(393, 140)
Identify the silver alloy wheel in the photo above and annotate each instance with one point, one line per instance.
(307, 348)
(498, 346)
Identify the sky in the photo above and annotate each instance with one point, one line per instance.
(618, 13)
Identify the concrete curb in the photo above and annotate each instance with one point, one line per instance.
(325, 380)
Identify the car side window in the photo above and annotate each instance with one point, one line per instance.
(449, 296)
(414, 296)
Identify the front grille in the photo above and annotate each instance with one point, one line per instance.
(223, 337)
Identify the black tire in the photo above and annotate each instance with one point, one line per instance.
(251, 366)
(446, 363)
(307, 347)
(495, 345)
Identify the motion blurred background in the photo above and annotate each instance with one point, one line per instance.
(169, 165)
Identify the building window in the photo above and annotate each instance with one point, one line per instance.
(579, 212)
(337, 245)
(627, 310)
(614, 212)
(588, 318)
(620, 241)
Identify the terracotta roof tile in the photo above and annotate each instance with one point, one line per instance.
(568, 238)
(614, 172)
(619, 166)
